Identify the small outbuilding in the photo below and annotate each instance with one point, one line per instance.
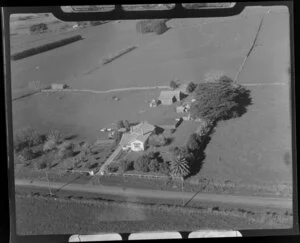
(168, 97)
(58, 86)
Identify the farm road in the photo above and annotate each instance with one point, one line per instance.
(156, 194)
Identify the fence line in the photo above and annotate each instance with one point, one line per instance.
(140, 176)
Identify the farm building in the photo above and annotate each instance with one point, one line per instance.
(137, 137)
(58, 86)
(168, 97)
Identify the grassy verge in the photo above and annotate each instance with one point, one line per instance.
(39, 214)
(45, 47)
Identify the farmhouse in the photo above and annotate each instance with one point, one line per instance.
(137, 137)
(167, 97)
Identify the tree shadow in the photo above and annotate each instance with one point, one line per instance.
(70, 137)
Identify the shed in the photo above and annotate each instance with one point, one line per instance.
(59, 86)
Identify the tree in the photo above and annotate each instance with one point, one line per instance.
(120, 124)
(126, 125)
(142, 163)
(220, 100)
(191, 87)
(117, 136)
(179, 166)
(173, 84)
(194, 142)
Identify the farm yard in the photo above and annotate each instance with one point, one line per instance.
(117, 82)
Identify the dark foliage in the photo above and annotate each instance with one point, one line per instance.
(173, 84)
(45, 47)
(191, 87)
(38, 28)
(220, 101)
(152, 25)
(27, 137)
(142, 163)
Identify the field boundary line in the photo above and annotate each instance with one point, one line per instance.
(251, 48)
(106, 91)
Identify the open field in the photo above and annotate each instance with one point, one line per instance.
(72, 215)
(245, 150)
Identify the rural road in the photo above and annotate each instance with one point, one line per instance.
(266, 202)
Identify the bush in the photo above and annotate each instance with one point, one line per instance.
(120, 124)
(44, 47)
(125, 165)
(117, 136)
(38, 28)
(157, 140)
(55, 136)
(113, 168)
(164, 168)
(27, 137)
(27, 154)
(154, 165)
(95, 23)
(191, 87)
(126, 125)
(41, 165)
(152, 25)
(66, 150)
(194, 142)
(173, 84)
(49, 145)
(141, 164)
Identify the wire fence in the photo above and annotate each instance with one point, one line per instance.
(144, 176)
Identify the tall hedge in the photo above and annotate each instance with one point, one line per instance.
(45, 47)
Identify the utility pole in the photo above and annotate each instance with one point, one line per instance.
(50, 193)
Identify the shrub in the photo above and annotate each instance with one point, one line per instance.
(120, 124)
(142, 163)
(38, 28)
(157, 140)
(126, 125)
(117, 136)
(41, 165)
(152, 25)
(125, 165)
(154, 165)
(27, 137)
(287, 158)
(219, 101)
(66, 150)
(164, 168)
(191, 87)
(194, 142)
(173, 84)
(44, 47)
(95, 23)
(55, 136)
(113, 167)
(49, 145)
(27, 154)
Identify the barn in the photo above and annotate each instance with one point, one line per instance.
(168, 97)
